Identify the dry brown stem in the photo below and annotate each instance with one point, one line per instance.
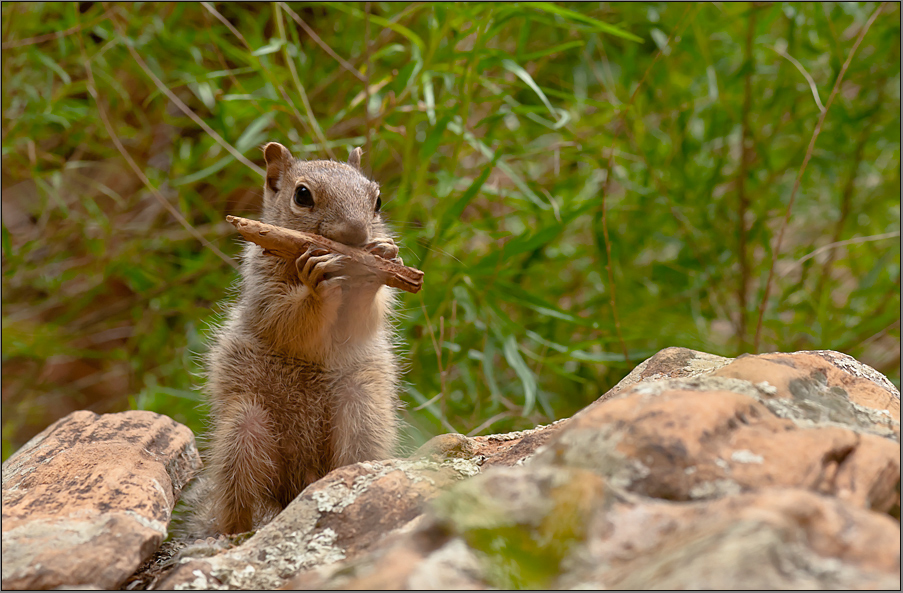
(290, 244)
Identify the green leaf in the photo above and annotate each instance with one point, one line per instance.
(515, 294)
(455, 210)
(576, 16)
(272, 47)
(204, 173)
(517, 70)
(428, 148)
(512, 355)
(47, 61)
(563, 47)
(254, 133)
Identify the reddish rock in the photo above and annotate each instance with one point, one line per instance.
(474, 531)
(862, 384)
(684, 445)
(514, 448)
(349, 512)
(820, 376)
(427, 558)
(86, 501)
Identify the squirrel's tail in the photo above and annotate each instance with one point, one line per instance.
(193, 516)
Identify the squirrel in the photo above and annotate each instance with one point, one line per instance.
(302, 377)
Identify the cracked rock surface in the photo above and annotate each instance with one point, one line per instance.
(89, 499)
(772, 471)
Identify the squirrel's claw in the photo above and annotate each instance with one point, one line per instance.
(383, 247)
(314, 265)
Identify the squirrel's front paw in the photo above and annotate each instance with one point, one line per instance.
(383, 247)
(317, 265)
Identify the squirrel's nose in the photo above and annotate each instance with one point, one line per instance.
(353, 233)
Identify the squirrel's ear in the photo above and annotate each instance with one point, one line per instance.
(278, 159)
(354, 159)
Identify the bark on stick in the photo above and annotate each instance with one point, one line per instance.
(290, 244)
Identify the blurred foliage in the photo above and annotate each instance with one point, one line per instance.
(496, 130)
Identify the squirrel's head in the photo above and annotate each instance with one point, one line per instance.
(328, 198)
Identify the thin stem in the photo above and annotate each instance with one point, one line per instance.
(805, 74)
(436, 347)
(313, 35)
(52, 36)
(742, 197)
(777, 250)
(604, 192)
(831, 246)
(318, 132)
(366, 79)
(226, 22)
(846, 199)
(489, 422)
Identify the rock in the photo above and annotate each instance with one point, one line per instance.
(447, 446)
(695, 471)
(86, 501)
(777, 471)
(824, 387)
(510, 448)
(522, 521)
(423, 559)
(343, 515)
(669, 363)
(509, 528)
(684, 444)
(338, 517)
(772, 539)
(557, 528)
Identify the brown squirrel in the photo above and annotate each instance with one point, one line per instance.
(301, 377)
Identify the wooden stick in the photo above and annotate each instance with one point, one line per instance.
(290, 244)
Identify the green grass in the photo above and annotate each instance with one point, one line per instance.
(508, 139)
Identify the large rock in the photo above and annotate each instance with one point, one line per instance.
(777, 471)
(816, 371)
(823, 387)
(558, 528)
(509, 528)
(86, 501)
(426, 558)
(669, 363)
(685, 442)
(695, 471)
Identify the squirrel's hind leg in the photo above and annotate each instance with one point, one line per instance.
(244, 463)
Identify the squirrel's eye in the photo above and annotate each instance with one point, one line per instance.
(379, 203)
(303, 197)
